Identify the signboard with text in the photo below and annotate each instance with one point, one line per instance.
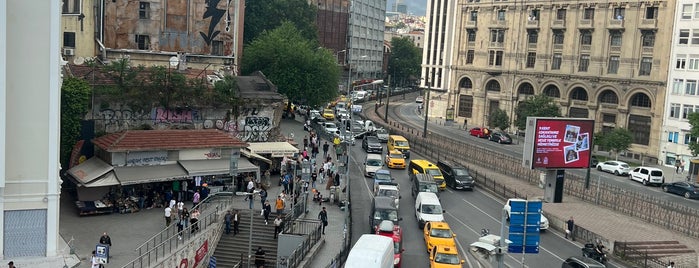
(558, 143)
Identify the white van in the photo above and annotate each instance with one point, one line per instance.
(428, 208)
(359, 95)
(647, 175)
(371, 251)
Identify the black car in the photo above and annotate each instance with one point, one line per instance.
(581, 262)
(371, 144)
(456, 176)
(686, 189)
(500, 137)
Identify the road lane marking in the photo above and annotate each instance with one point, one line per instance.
(357, 166)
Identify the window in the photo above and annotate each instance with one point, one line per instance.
(675, 110)
(533, 36)
(696, 11)
(640, 127)
(143, 10)
(69, 39)
(684, 37)
(609, 118)
(681, 62)
(501, 14)
(619, 13)
(647, 38)
(471, 35)
(687, 12)
(143, 42)
(217, 48)
(584, 63)
(470, 54)
(589, 14)
(558, 37)
(651, 13)
(465, 106)
(690, 87)
(613, 66)
(677, 86)
(531, 59)
(646, 66)
(695, 37)
(495, 58)
(689, 139)
(561, 14)
(474, 15)
(693, 63)
(71, 6)
(673, 136)
(686, 110)
(556, 62)
(585, 37)
(534, 14)
(497, 36)
(493, 85)
(615, 38)
(609, 97)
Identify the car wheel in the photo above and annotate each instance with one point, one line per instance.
(616, 172)
(665, 189)
(645, 182)
(687, 195)
(599, 168)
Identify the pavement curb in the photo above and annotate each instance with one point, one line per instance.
(312, 253)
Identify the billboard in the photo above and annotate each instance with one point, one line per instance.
(558, 143)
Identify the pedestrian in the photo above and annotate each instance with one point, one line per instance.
(94, 262)
(172, 203)
(196, 199)
(286, 180)
(251, 186)
(279, 205)
(239, 183)
(181, 223)
(677, 166)
(278, 225)
(180, 207)
(168, 214)
(681, 166)
(268, 179)
(323, 217)
(236, 222)
(260, 257)
(228, 218)
(194, 220)
(185, 192)
(305, 141)
(11, 264)
(105, 239)
(326, 146)
(305, 186)
(314, 178)
(263, 196)
(570, 228)
(266, 210)
(185, 213)
(672, 265)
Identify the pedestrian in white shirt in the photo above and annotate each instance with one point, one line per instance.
(168, 216)
(180, 207)
(172, 203)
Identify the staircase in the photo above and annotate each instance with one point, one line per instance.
(231, 249)
(655, 249)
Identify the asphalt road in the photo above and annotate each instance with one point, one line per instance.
(406, 113)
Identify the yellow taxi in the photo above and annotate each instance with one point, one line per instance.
(328, 114)
(395, 159)
(438, 233)
(445, 256)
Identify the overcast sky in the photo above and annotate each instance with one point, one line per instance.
(416, 7)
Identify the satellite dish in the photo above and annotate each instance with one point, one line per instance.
(79, 60)
(174, 61)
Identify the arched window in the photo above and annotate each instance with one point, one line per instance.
(492, 85)
(579, 94)
(466, 83)
(552, 91)
(525, 89)
(608, 96)
(640, 100)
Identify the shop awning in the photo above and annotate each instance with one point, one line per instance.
(108, 179)
(276, 149)
(147, 174)
(215, 167)
(250, 155)
(90, 170)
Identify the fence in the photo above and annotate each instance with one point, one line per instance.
(312, 233)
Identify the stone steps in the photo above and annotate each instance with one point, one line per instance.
(656, 249)
(231, 247)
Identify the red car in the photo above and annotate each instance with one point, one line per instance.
(387, 228)
(479, 132)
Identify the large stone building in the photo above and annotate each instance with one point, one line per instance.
(681, 97)
(604, 60)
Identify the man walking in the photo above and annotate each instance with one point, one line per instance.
(168, 214)
(323, 217)
(277, 225)
(326, 146)
(260, 257)
(570, 228)
(236, 221)
(228, 218)
(263, 196)
(105, 239)
(279, 205)
(266, 210)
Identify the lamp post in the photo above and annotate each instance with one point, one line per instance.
(251, 195)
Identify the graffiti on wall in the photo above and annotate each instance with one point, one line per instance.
(257, 128)
(124, 118)
(162, 115)
(216, 14)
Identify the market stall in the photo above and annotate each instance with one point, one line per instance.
(274, 151)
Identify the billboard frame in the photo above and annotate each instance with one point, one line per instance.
(572, 125)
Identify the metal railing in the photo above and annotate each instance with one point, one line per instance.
(310, 229)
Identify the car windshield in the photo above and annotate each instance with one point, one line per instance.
(381, 131)
(461, 172)
(428, 188)
(432, 209)
(396, 156)
(433, 172)
(327, 111)
(382, 177)
(441, 233)
(390, 215)
(402, 143)
(373, 162)
(330, 125)
(387, 192)
(372, 139)
(446, 258)
(626, 166)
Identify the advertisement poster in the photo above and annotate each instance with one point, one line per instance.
(201, 253)
(562, 143)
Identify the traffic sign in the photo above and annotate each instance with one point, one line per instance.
(524, 232)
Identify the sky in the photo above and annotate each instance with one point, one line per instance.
(416, 7)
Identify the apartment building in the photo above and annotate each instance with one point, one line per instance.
(332, 22)
(682, 97)
(604, 60)
(365, 39)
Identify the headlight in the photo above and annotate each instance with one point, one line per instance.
(396, 261)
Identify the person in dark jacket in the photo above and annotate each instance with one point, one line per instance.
(105, 239)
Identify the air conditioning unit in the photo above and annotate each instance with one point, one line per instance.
(69, 51)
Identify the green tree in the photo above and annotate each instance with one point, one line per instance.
(75, 100)
(266, 15)
(499, 119)
(404, 61)
(226, 91)
(299, 69)
(617, 140)
(694, 132)
(538, 106)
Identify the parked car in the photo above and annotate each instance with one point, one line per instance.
(479, 132)
(371, 144)
(500, 137)
(686, 189)
(543, 224)
(419, 99)
(647, 175)
(616, 167)
(330, 128)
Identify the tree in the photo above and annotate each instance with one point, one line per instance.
(538, 106)
(404, 61)
(262, 16)
(694, 132)
(300, 70)
(75, 100)
(616, 140)
(499, 119)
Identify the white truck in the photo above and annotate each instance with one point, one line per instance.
(371, 251)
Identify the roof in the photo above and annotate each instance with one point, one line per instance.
(384, 202)
(146, 174)
(440, 225)
(276, 149)
(206, 167)
(257, 86)
(167, 139)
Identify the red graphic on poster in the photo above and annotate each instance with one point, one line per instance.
(201, 253)
(562, 143)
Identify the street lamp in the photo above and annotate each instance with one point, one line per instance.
(252, 197)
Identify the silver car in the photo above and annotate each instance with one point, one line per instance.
(617, 167)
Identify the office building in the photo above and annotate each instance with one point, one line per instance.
(365, 39)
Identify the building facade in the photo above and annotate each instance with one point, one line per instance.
(365, 39)
(604, 60)
(332, 22)
(437, 50)
(682, 95)
(78, 30)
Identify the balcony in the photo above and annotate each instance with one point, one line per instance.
(531, 46)
(557, 46)
(586, 24)
(585, 47)
(471, 24)
(496, 45)
(533, 24)
(615, 48)
(647, 50)
(648, 24)
(558, 24)
(498, 24)
(615, 24)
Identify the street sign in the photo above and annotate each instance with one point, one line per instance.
(524, 232)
